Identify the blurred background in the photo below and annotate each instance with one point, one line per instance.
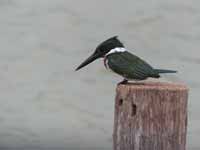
(45, 104)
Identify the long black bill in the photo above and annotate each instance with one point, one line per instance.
(88, 61)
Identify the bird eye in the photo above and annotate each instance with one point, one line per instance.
(98, 50)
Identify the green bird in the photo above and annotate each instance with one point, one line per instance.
(119, 60)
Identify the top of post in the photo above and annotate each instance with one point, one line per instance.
(154, 85)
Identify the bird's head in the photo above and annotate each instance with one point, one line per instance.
(101, 50)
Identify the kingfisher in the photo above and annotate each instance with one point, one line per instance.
(118, 59)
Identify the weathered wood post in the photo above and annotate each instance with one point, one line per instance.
(150, 116)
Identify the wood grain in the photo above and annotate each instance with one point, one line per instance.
(150, 116)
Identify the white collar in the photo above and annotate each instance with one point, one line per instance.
(116, 50)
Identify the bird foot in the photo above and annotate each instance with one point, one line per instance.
(123, 82)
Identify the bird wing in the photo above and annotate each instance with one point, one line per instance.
(130, 66)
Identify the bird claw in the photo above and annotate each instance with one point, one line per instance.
(123, 82)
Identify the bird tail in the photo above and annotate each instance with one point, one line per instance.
(164, 71)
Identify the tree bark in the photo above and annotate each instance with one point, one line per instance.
(150, 116)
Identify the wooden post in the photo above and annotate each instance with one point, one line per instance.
(150, 116)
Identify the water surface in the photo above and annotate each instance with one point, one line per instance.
(45, 104)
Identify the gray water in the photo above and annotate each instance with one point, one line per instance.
(45, 104)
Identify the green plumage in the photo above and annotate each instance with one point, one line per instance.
(122, 62)
(130, 66)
